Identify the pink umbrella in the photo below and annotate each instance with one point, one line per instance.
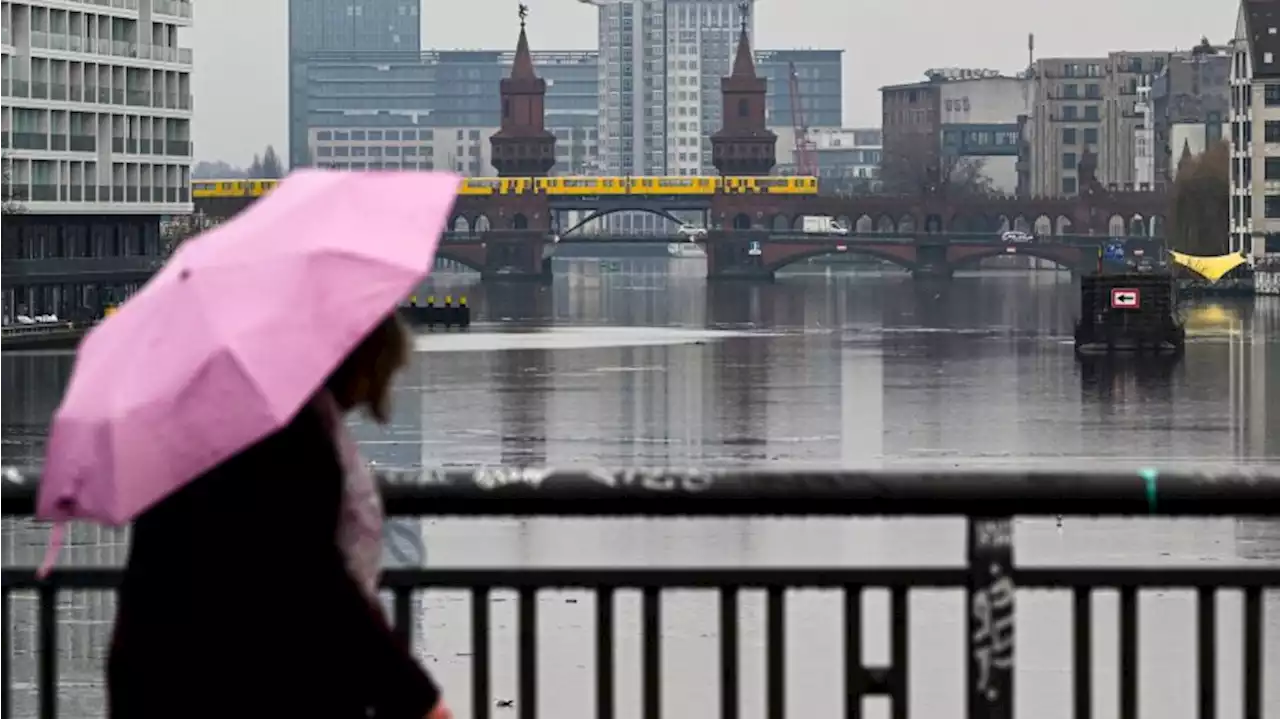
(233, 336)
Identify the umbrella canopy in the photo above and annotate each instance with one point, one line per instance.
(235, 334)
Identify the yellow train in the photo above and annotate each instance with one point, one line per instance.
(602, 186)
(231, 188)
(584, 186)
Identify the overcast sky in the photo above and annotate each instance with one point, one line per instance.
(241, 45)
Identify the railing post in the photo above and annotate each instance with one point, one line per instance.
(991, 618)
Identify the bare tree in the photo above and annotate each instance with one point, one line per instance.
(271, 166)
(914, 164)
(1201, 211)
(13, 197)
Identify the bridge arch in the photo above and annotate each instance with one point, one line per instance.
(519, 221)
(782, 223)
(886, 225)
(482, 224)
(1069, 257)
(742, 221)
(1043, 225)
(600, 214)
(864, 225)
(903, 256)
(1116, 226)
(1062, 226)
(460, 224)
(445, 252)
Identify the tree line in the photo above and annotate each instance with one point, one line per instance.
(265, 165)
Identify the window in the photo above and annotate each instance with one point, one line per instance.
(357, 134)
(1068, 136)
(1272, 168)
(1091, 112)
(1271, 94)
(1271, 131)
(1070, 112)
(1271, 206)
(1068, 160)
(1071, 91)
(1068, 185)
(744, 107)
(324, 151)
(324, 135)
(1093, 91)
(1091, 136)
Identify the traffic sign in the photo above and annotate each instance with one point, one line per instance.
(1124, 298)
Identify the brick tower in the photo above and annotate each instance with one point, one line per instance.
(523, 147)
(743, 145)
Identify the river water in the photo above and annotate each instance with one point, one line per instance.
(639, 362)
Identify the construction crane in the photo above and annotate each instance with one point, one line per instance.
(806, 163)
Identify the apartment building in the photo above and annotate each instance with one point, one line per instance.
(964, 112)
(1191, 103)
(97, 106)
(1093, 104)
(1255, 130)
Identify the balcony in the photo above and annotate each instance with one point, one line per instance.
(114, 48)
(44, 193)
(179, 148)
(57, 141)
(173, 8)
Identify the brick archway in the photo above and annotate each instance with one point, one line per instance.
(1071, 257)
(775, 256)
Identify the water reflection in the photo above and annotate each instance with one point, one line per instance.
(860, 370)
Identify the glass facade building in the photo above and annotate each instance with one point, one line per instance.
(354, 26)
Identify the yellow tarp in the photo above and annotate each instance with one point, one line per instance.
(1210, 268)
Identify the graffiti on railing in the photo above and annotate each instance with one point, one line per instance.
(991, 620)
(656, 480)
(993, 640)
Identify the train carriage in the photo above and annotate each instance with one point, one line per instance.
(565, 186)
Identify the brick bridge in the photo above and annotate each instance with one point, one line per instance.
(510, 236)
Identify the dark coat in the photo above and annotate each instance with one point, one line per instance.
(236, 601)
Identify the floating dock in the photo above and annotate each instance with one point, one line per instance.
(1132, 312)
(52, 336)
(449, 314)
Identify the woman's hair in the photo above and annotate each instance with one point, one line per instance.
(364, 377)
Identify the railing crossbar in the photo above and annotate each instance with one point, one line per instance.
(989, 575)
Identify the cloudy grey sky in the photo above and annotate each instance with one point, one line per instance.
(240, 45)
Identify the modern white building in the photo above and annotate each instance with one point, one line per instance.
(660, 67)
(1255, 130)
(97, 106)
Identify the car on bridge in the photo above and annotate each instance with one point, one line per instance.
(692, 232)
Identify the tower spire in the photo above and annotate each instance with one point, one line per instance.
(523, 146)
(743, 145)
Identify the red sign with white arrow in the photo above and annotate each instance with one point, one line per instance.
(1124, 298)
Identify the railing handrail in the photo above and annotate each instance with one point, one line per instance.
(489, 491)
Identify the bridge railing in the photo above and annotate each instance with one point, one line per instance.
(989, 577)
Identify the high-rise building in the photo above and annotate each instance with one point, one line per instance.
(341, 26)
(436, 110)
(661, 62)
(354, 26)
(97, 107)
(96, 145)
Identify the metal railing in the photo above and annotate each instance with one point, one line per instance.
(989, 577)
